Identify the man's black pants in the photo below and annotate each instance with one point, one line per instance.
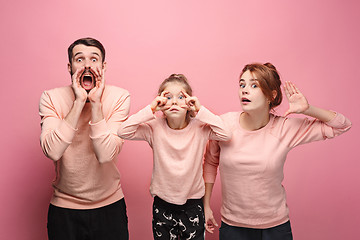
(106, 223)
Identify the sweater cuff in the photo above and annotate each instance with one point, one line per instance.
(148, 111)
(203, 112)
(98, 129)
(147, 114)
(338, 120)
(66, 131)
(209, 177)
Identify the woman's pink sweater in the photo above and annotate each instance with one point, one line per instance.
(251, 166)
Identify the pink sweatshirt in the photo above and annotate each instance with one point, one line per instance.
(177, 154)
(85, 158)
(251, 166)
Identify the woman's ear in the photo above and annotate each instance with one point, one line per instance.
(274, 94)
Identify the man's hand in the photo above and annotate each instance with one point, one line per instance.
(95, 94)
(80, 93)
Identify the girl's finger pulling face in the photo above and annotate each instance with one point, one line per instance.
(174, 94)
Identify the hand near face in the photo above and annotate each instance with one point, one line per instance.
(297, 101)
(80, 93)
(192, 102)
(158, 104)
(96, 93)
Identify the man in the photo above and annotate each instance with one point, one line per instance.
(78, 132)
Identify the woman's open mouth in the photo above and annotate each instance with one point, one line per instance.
(245, 100)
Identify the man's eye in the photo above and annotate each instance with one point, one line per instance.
(79, 60)
(168, 97)
(181, 97)
(94, 60)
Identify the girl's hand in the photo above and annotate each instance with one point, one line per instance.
(210, 222)
(192, 103)
(297, 101)
(158, 104)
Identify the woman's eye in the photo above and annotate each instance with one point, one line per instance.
(181, 97)
(168, 98)
(254, 86)
(242, 85)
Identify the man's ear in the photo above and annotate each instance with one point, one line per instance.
(69, 68)
(104, 66)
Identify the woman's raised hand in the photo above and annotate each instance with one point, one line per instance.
(297, 101)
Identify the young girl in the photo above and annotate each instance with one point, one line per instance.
(178, 140)
(251, 164)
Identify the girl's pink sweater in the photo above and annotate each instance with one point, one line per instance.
(177, 154)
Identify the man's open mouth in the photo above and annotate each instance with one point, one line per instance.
(87, 80)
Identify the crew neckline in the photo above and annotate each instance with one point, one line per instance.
(176, 130)
(257, 130)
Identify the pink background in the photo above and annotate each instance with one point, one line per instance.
(315, 44)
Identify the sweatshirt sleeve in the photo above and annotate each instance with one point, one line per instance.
(107, 144)
(56, 133)
(136, 127)
(211, 161)
(296, 131)
(219, 130)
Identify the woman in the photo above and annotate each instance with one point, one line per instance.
(251, 164)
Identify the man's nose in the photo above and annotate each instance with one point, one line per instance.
(88, 63)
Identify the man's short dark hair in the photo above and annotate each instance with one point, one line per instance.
(87, 42)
